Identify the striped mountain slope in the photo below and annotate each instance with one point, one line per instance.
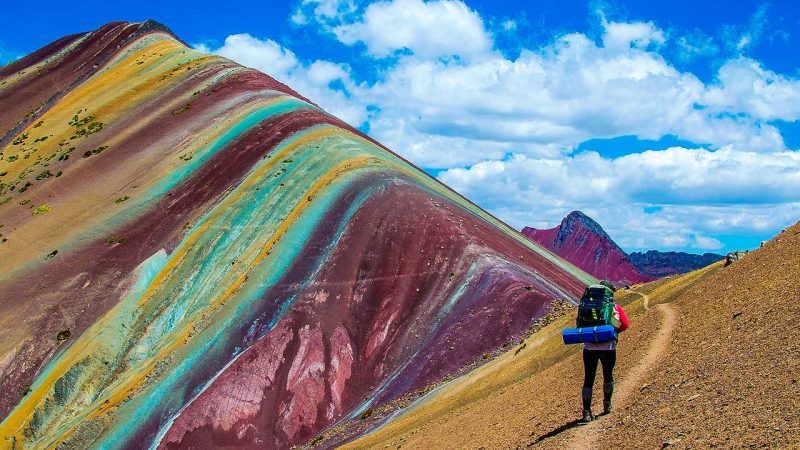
(195, 255)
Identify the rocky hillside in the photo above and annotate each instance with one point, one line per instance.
(661, 264)
(583, 242)
(193, 255)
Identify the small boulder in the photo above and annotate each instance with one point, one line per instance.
(63, 335)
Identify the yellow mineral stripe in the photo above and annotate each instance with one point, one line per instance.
(111, 94)
(21, 415)
(136, 383)
(96, 210)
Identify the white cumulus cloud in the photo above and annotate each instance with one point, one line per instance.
(322, 12)
(503, 130)
(427, 29)
(326, 83)
(623, 35)
(698, 192)
(744, 86)
(566, 93)
(265, 55)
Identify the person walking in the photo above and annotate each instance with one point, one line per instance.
(603, 352)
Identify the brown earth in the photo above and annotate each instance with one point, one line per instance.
(714, 364)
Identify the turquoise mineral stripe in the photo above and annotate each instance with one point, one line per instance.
(434, 186)
(242, 310)
(302, 228)
(209, 342)
(281, 106)
(145, 274)
(130, 319)
(138, 205)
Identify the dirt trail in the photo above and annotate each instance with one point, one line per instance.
(632, 380)
(645, 299)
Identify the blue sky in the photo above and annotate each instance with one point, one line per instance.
(674, 124)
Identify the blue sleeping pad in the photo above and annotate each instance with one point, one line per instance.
(600, 333)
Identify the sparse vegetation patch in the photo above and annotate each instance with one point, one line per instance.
(42, 209)
(95, 151)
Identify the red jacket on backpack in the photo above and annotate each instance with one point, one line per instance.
(623, 318)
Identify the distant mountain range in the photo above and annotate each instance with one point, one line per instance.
(662, 264)
(583, 242)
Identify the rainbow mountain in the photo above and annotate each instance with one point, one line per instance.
(194, 255)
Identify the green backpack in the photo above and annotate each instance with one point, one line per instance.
(596, 306)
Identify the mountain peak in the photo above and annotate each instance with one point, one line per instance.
(154, 25)
(577, 218)
(582, 241)
(575, 215)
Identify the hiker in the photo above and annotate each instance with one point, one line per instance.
(603, 352)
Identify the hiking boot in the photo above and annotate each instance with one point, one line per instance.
(608, 391)
(586, 398)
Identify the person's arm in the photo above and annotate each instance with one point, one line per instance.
(623, 319)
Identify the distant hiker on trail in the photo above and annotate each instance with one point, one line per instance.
(597, 307)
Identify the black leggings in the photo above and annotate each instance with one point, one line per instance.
(590, 359)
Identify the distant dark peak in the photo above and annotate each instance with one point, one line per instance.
(574, 215)
(588, 222)
(582, 241)
(568, 227)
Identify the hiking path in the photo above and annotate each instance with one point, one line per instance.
(631, 381)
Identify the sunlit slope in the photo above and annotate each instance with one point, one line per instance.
(194, 255)
(730, 375)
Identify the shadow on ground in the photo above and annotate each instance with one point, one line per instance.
(558, 430)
